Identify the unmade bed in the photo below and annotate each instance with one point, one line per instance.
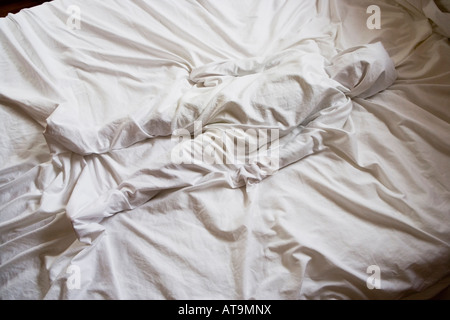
(232, 149)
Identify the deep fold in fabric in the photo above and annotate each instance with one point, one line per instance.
(360, 178)
(296, 92)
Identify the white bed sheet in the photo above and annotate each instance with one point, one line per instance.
(86, 185)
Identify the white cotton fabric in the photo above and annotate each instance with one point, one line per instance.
(283, 92)
(88, 181)
(363, 71)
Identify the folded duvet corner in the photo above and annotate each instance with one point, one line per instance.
(364, 70)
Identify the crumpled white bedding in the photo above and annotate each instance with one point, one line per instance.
(90, 120)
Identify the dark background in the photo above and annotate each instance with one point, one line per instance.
(14, 6)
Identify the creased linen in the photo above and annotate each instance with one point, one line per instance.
(113, 136)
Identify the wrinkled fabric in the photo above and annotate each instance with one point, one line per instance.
(282, 92)
(363, 71)
(113, 183)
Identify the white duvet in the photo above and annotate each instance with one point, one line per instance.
(357, 149)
